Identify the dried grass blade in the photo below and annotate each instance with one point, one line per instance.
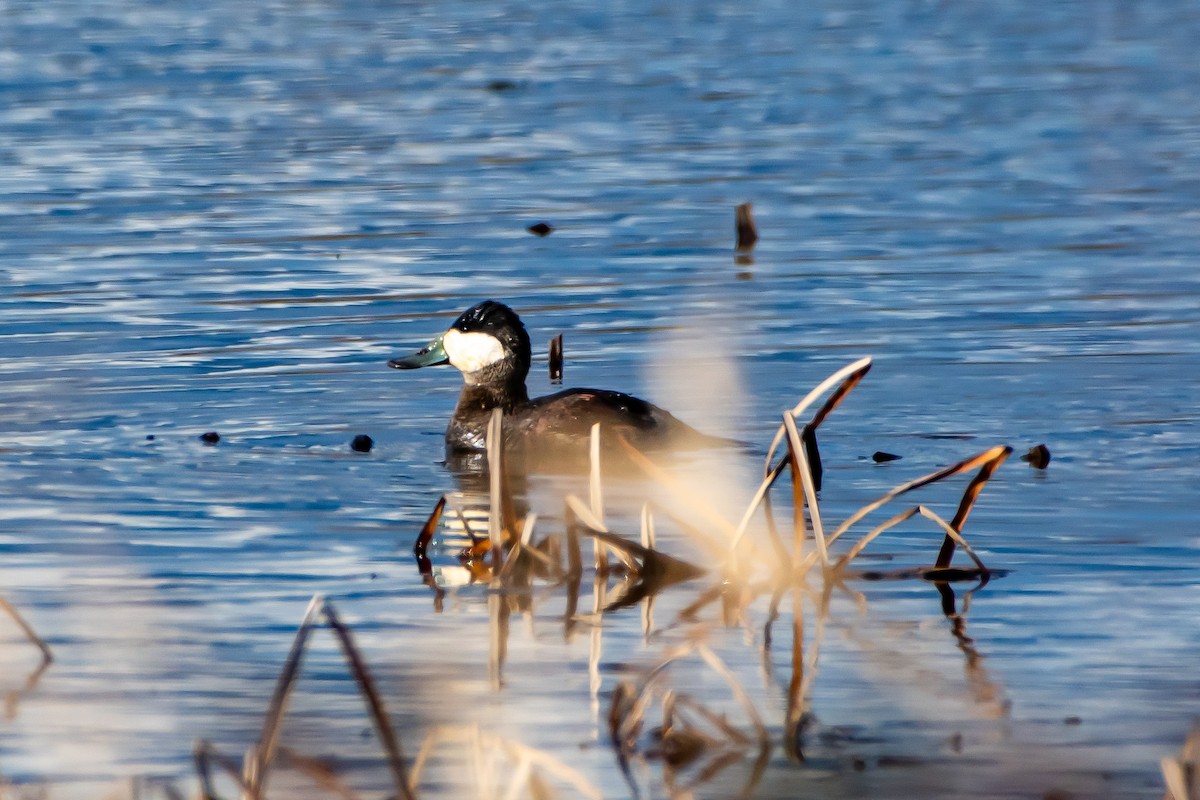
(558, 769)
(204, 753)
(755, 501)
(800, 464)
(429, 528)
(260, 756)
(596, 495)
(954, 536)
(574, 554)
(739, 693)
(968, 501)
(794, 716)
(851, 373)
(676, 487)
(1175, 776)
(319, 772)
(870, 537)
(954, 469)
(711, 544)
(495, 459)
(28, 630)
(383, 726)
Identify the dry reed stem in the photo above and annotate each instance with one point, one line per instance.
(484, 751)
(698, 503)
(794, 716)
(497, 639)
(428, 529)
(596, 496)
(603, 543)
(1182, 773)
(800, 465)
(260, 756)
(205, 753)
(954, 469)
(366, 685)
(521, 548)
(954, 535)
(495, 460)
(713, 546)
(861, 544)
(968, 501)
(27, 629)
(850, 375)
(318, 772)
(735, 686)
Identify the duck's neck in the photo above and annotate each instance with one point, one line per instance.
(481, 398)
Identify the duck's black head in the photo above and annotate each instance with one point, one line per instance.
(487, 343)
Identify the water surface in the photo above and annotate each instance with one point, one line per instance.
(228, 218)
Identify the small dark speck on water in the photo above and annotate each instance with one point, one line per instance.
(210, 438)
(1038, 456)
(1072, 720)
(149, 437)
(502, 85)
(362, 443)
(881, 457)
(540, 229)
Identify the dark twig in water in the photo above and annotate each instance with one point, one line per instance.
(747, 231)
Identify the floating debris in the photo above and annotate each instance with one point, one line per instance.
(556, 359)
(210, 438)
(1038, 457)
(880, 457)
(362, 443)
(502, 85)
(540, 229)
(747, 231)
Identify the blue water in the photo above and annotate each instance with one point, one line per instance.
(228, 217)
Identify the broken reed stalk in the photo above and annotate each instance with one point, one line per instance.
(204, 754)
(260, 756)
(968, 501)
(27, 629)
(485, 749)
(955, 536)
(794, 716)
(495, 459)
(699, 504)
(799, 456)
(556, 359)
(848, 376)
(420, 547)
(596, 496)
(998, 452)
(1182, 774)
(747, 231)
(366, 685)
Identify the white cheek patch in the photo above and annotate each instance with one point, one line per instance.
(471, 352)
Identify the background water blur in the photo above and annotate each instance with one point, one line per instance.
(227, 216)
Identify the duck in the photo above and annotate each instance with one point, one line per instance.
(489, 345)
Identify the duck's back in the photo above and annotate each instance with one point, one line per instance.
(565, 419)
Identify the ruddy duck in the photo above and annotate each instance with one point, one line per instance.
(489, 345)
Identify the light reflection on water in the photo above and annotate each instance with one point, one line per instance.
(229, 220)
